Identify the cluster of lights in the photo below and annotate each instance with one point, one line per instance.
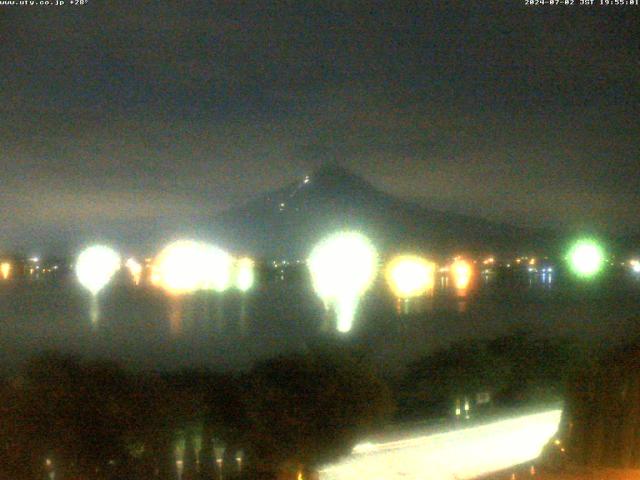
(489, 261)
(182, 267)
(344, 265)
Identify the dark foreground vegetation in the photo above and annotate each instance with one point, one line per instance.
(599, 433)
(97, 420)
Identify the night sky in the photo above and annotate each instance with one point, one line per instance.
(118, 115)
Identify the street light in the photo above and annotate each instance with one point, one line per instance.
(5, 270)
(239, 459)
(586, 258)
(219, 453)
(410, 276)
(461, 271)
(95, 267)
(342, 267)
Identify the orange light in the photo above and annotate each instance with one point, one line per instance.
(461, 271)
(410, 276)
(5, 270)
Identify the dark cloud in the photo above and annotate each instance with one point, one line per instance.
(172, 109)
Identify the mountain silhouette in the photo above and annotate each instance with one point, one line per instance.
(287, 222)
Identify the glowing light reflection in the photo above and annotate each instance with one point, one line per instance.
(186, 266)
(410, 276)
(586, 258)
(5, 270)
(461, 271)
(458, 454)
(245, 275)
(342, 267)
(96, 266)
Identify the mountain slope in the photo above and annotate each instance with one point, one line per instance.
(285, 223)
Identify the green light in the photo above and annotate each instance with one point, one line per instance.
(586, 258)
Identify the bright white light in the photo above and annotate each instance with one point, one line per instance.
(410, 276)
(586, 258)
(217, 268)
(635, 266)
(342, 267)
(245, 275)
(186, 266)
(458, 454)
(95, 267)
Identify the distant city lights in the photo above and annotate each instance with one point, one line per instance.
(342, 267)
(489, 261)
(410, 276)
(586, 258)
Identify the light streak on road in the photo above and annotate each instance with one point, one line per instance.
(453, 455)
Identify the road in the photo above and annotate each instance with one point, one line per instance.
(457, 454)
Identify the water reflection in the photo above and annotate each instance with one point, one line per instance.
(175, 315)
(144, 324)
(414, 306)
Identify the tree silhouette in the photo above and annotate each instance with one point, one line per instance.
(308, 409)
